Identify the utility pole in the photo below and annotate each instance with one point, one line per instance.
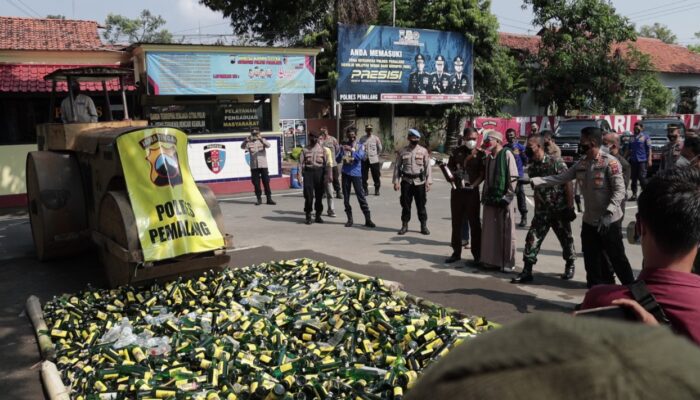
(393, 24)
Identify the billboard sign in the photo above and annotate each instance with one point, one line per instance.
(400, 65)
(195, 73)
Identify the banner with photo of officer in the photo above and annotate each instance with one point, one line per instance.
(402, 65)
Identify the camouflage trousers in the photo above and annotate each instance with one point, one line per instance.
(539, 227)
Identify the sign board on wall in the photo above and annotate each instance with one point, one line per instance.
(200, 73)
(203, 118)
(224, 161)
(401, 65)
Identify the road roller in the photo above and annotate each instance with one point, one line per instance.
(122, 186)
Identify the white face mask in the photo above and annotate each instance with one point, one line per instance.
(471, 144)
(605, 149)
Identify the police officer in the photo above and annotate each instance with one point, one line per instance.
(413, 177)
(554, 208)
(467, 165)
(437, 77)
(316, 170)
(419, 80)
(639, 156)
(351, 155)
(331, 143)
(370, 162)
(255, 145)
(671, 151)
(459, 83)
(600, 178)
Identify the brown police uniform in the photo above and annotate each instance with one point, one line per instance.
(412, 170)
(313, 163)
(258, 164)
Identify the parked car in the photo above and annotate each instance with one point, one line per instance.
(568, 134)
(656, 127)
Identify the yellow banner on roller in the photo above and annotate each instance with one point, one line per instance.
(172, 217)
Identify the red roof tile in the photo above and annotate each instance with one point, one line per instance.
(29, 78)
(668, 58)
(514, 41)
(48, 34)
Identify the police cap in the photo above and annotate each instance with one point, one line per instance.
(414, 133)
(458, 60)
(440, 58)
(419, 57)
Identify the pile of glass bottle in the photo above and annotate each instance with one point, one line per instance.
(280, 330)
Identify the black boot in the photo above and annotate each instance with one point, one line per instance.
(257, 203)
(523, 220)
(318, 218)
(349, 223)
(270, 201)
(368, 221)
(308, 219)
(569, 271)
(376, 191)
(525, 276)
(453, 258)
(404, 228)
(424, 228)
(338, 195)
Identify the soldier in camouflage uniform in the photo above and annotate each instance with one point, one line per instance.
(553, 209)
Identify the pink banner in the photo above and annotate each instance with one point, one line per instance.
(619, 123)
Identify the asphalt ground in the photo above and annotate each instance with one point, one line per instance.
(264, 233)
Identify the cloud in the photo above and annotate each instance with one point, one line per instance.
(195, 13)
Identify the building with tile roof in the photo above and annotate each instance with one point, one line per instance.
(31, 48)
(677, 67)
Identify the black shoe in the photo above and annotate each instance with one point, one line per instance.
(376, 191)
(338, 195)
(569, 271)
(271, 202)
(331, 213)
(424, 230)
(403, 230)
(452, 259)
(349, 223)
(257, 203)
(319, 219)
(523, 277)
(633, 198)
(523, 222)
(370, 224)
(308, 219)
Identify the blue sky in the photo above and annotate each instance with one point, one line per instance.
(188, 17)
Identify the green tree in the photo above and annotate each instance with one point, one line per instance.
(143, 29)
(658, 31)
(695, 47)
(643, 90)
(577, 68)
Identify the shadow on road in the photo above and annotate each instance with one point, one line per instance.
(524, 303)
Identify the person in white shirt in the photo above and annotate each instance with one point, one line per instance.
(84, 107)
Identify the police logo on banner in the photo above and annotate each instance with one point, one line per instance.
(215, 157)
(162, 155)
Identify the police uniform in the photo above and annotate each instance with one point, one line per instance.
(332, 143)
(418, 82)
(412, 171)
(670, 153)
(459, 83)
(313, 164)
(436, 79)
(255, 146)
(601, 183)
(550, 212)
(467, 166)
(373, 148)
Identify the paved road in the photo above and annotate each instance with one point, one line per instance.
(266, 233)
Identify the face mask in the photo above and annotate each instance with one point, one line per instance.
(605, 149)
(529, 153)
(413, 143)
(583, 148)
(672, 138)
(471, 144)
